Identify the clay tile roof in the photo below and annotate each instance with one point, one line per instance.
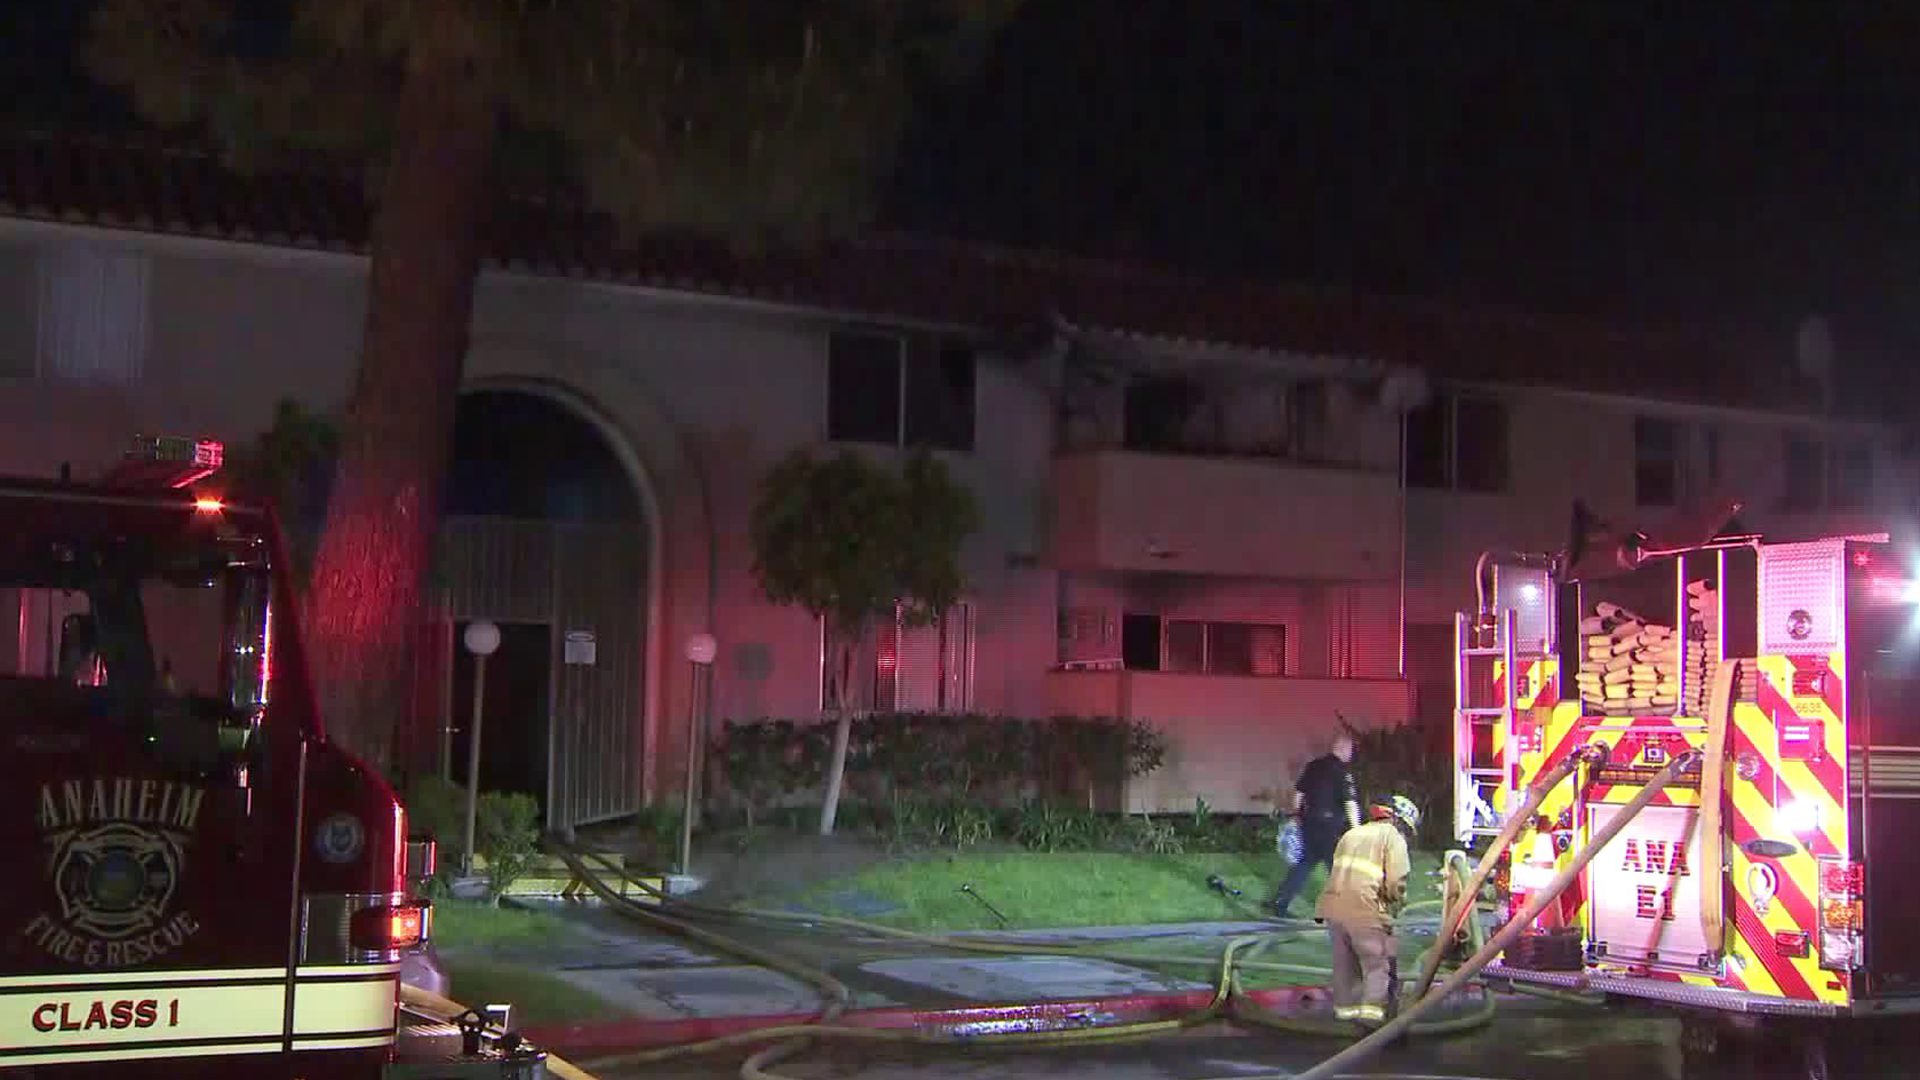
(322, 205)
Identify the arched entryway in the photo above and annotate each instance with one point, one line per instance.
(550, 535)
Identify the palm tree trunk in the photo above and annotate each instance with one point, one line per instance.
(377, 546)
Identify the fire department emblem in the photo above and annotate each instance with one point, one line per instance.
(115, 881)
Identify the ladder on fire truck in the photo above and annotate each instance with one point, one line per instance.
(1476, 785)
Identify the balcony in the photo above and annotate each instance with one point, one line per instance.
(1237, 742)
(1258, 517)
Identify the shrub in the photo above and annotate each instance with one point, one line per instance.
(507, 835)
(1400, 760)
(1003, 761)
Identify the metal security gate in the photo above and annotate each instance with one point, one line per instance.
(587, 582)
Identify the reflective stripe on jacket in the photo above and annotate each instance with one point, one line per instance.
(1368, 883)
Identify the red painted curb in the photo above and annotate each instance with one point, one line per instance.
(637, 1034)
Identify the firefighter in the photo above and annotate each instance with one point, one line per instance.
(1364, 895)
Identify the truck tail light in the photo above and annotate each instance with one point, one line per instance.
(389, 927)
(1842, 912)
(1793, 943)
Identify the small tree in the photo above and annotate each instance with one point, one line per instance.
(847, 540)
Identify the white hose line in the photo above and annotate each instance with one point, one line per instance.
(1378, 1040)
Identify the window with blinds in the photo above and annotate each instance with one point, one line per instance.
(925, 668)
(92, 320)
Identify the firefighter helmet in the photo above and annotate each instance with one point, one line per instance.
(1401, 809)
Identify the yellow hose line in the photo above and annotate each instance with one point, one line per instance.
(446, 1009)
(1229, 1000)
(1378, 1040)
(1223, 1003)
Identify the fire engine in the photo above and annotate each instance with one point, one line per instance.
(1762, 890)
(198, 880)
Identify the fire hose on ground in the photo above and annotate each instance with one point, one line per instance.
(1228, 1002)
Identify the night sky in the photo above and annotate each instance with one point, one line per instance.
(1694, 162)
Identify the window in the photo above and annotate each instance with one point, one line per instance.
(1656, 461)
(1216, 648)
(925, 668)
(181, 613)
(1804, 468)
(1852, 483)
(901, 391)
(1429, 442)
(1160, 414)
(1458, 441)
(92, 325)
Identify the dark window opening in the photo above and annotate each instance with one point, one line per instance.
(863, 388)
(1427, 439)
(1480, 444)
(885, 389)
(940, 398)
(1158, 414)
(1853, 478)
(1307, 412)
(1140, 642)
(1803, 469)
(1656, 462)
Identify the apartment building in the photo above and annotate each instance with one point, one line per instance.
(1194, 508)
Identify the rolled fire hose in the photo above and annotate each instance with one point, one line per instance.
(1537, 793)
(1713, 776)
(1366, 1048)
(446, 1009)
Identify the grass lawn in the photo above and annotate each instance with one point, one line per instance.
(1041, 891)
(464, 925)
(493, 955)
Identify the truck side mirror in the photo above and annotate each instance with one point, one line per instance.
(198, 747)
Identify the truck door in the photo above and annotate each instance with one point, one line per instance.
(145, 825)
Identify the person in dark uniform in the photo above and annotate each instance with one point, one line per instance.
(1327, 799)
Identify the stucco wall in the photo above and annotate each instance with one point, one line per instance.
(703, 398)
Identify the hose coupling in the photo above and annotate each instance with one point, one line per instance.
(1595, 753)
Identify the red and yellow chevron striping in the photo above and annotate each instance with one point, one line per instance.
(1787, 779)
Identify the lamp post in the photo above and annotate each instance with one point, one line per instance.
(482, 638)
(701, 649)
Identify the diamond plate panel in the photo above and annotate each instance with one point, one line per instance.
(1527, 592)
(1800, 597)
(1678, 993)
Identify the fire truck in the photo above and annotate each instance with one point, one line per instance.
(1761, 891)
(198, 880)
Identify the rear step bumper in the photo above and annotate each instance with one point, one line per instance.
(431, 1051)
(1673, 993)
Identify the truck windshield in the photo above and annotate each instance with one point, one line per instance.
(135, 605)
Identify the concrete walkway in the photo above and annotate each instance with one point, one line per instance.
(669, 990)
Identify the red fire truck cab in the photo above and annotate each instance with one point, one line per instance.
(198, 880)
